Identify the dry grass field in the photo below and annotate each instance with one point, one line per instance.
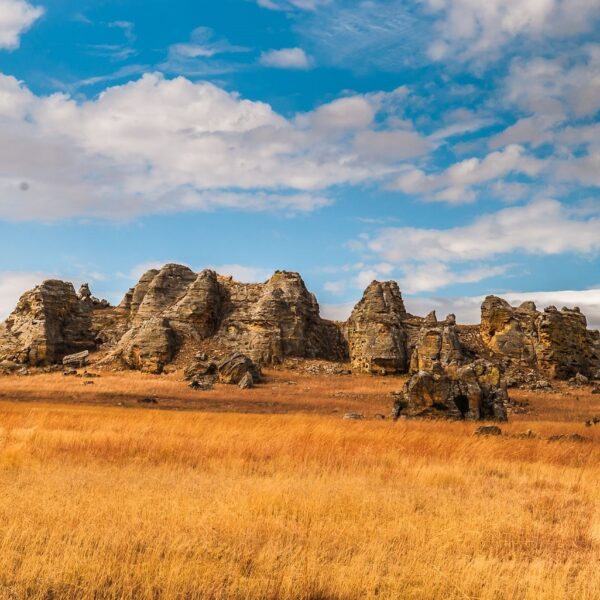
(101, 497)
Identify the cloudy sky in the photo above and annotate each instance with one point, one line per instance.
(452, 145)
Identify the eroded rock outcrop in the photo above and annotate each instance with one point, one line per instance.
(49, 322)
(557, 343)
(438, 342)
(472, 392)
(148, 347)
(377, 337)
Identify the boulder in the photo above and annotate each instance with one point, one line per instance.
(76, 360)
(247, 382)
(234, 369)
(48, 323)
(376, 334)
(148, 347)
(475, 391)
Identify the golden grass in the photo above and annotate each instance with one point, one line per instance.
(104, 502)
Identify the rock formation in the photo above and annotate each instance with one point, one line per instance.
(438, 342)
(377, 337)
(557, 343)
(148, 347)
(471, 392)
(49, 322)
(173, 313)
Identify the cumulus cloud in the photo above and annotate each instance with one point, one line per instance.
(16, 17)
(544, 227)
(557, 86)
(286, 58)
(157, 144)
(471, 29)
(455, 184)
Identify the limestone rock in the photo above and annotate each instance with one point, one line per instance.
(376, 335)
(234, 369)
(49, 322)
(148, 347)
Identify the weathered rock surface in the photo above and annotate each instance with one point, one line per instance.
(148, 346)
(76, 360)
(471, 392)
(438, 342)
(556, 342)
(173, 313)
(49, 322)
(235, 368)
(377, 337)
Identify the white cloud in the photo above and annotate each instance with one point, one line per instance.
(16, 17)
(431, 276)
(454, 185)
(203, 44)
(292, 4)
(556, 86)
(155, 145)
(286, 58)
(544, 227)
(475, 29)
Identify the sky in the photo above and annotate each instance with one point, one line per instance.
(451, 145)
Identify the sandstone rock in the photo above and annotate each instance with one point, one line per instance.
(268, 322)
(76, 360)
(437, 343)
(155, 295)
(201, 368)
(48, 323)
(247, 382)
(509, 331)
(472, 392)
(148, 347)
(376, 334)
(556, 342)
(234, 369)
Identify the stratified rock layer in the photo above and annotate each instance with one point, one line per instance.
(49, 322)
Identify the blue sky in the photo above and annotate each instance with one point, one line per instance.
(453, 145)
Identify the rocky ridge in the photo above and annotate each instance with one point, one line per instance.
(173, 314)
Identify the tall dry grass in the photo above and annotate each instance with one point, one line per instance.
(99, 502)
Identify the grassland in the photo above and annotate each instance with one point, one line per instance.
(109, 501)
